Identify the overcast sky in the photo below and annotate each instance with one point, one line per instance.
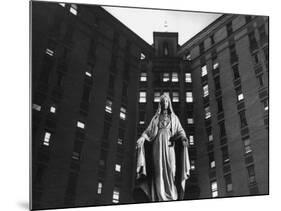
(145, 21)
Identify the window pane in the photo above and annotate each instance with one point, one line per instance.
(204, 70)
(189, 97)
(142, 97)
(143, 77)
(175, 77)
(188, 78)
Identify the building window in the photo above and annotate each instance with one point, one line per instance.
(89, 74)
(115, 197)
(243, 120)
(247, 145)
(251, 173)
(212, 39)
(166, 50)
(217, 83)
(157, 96)
(211, 138)
(256, 59)
(73, 9)
(47, 137)
(175, 97)
(188, 97)
(99, 188)
(62, 4)
(141, 117)
(214, 189)
(228, 183)
(175, 77)
(120, 141)
(215, 65)
(75, 156)
(205, 90)
(222, 129)
(253, 41)
(188, 57)
(143, 76)
(188, 78)
(50, 52)
(207, 112)
(191, 140)
(225, 155)
(117, 167)
(142, 56)
(201, 47)
(204, 70)
(192, 165)
(260, 79)
(80, 125)
(239, 93)
(108, 106)
(53, 109)
(265, 104)
(212, 161)
(123, 113)
(248, 18)
(235, 70)
(142, 97)
(190, 121)
(233, 54)
(36, 107)
(229, 28)
(166, 77)
(220, 106)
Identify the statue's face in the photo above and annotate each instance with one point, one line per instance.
(165, 103)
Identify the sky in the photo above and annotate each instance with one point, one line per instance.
(145, 21)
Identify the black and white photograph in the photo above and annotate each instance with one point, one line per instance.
(133, 105)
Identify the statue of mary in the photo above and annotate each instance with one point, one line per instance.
(157, 165)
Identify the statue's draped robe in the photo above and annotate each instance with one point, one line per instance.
(158, 178)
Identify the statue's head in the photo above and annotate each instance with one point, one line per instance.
(165, 104)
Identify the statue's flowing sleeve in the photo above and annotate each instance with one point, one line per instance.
(179, 133)
(149, 134)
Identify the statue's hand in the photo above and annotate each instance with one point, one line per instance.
(185, 142)
(140, 142)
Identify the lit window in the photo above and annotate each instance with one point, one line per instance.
(142, 56)
(108, 106)
(228, 183)
(115, 198)
(188, 57)
(175, 97)
(190, 121)
(141, 122)
(75, 155)
(211, 138)
(175, 77)
(53, 109)
(205, 91)
(88, 74)
(188, 97)
(191, 140)
(118, 168)
(50, 52)
(142, 97)
(157, 96)
(247, 145)
(240, 97)
(207, 112)
(166, 77)
(73, 9)
(143, 77)
(36, 107)
(214, 188)
(123, 113)
(99, 188)
(192, 165)
(265, 104)
(188, 78)
(80, 124)
(62, 4)
(213, 164)
(204, 70)
(47, 137)
(120, 141)
(215, 65)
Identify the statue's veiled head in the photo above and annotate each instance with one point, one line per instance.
(165, 104)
